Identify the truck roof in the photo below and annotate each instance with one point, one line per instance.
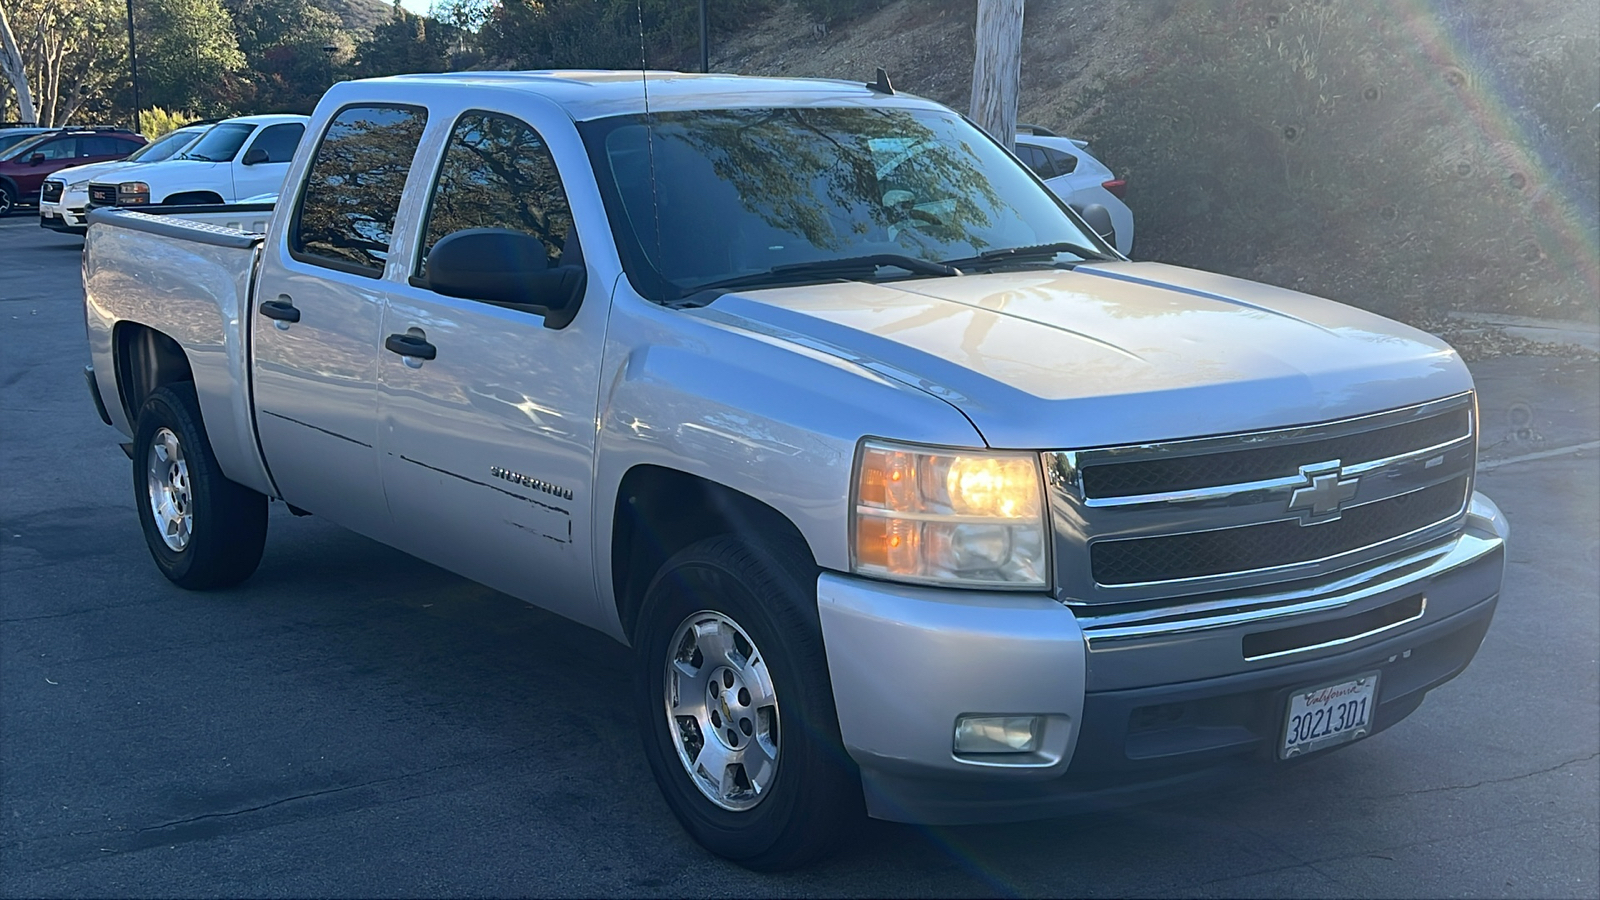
(597, 93)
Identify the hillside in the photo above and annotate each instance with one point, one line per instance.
(1391, 155)
(359, 16)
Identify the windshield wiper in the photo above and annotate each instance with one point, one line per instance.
(198, 157)
(1037, 253)
(854, 267)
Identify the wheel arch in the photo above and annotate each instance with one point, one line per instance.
(146, 360)
(193, 198)
(660, 510)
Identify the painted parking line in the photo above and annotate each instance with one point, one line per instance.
(1538, 454)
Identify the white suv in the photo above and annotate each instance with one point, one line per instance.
(66, 193)
(1077, 178)
(237, 158)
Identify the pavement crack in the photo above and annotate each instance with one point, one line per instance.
(328, 791)
(1488, 781)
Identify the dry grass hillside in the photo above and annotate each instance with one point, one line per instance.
(1409, 157)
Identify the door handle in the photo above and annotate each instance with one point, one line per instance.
(410, 345)
(281, 309)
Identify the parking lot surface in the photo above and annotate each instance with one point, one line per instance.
(353, 722)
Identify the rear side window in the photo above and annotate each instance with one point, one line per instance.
(498, 173)
(104, 146)
(279, 141)
(63, 148)
(1033, 158)
(345, 218)
(1060, 163)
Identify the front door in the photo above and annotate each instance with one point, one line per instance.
(319, 315)
(487, 448)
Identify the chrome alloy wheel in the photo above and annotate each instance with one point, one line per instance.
(171, 503)
(722, 711)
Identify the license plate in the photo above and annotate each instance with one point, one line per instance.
(1329, 714)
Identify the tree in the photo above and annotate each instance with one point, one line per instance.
(188, 54)
(71, 52)
(406, 43)
(997, 68)
(16, 72)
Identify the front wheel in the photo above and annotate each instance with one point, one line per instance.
(203, 530)
(736, 708)
(8, 200)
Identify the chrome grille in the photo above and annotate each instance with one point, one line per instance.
(1162, 521)
(1271, 544)
(51, 192)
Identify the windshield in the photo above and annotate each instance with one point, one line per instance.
(24, 145)
(11, 140)
(164, 147)
(220, 143)
(743, 191)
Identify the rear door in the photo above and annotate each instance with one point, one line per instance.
(319, 311)
(264, 162)
(488, 448)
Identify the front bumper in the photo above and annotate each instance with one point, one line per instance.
(64, 218)
(905, 662)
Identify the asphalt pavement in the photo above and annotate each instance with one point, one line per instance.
(353, 722)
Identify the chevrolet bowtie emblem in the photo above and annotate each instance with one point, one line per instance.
(1325, 490)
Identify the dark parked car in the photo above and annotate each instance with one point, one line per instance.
(11, 135)
(24, 166)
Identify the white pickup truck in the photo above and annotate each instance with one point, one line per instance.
(911, 496)
(235, 159)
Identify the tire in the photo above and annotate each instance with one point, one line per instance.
(8, 200)
(203, 530)
(748, 614)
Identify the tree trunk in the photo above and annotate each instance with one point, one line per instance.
(11, 65)
(997, 68)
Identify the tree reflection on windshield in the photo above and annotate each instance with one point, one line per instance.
(741, 191)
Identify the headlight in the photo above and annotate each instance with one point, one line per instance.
(132, 192)
(965, 518)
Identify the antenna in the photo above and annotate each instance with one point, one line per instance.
(649, 135)
(882, 85)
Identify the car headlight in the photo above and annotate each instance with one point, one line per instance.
(132, 192)
(966, 518)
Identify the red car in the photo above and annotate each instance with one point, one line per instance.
(24, 166)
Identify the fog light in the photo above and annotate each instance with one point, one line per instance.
(997, 734)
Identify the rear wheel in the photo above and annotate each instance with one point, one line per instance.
(203, 530)
(736, 708)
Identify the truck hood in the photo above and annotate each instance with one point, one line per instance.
(173, 171)
(90, 171)
(1112, 353)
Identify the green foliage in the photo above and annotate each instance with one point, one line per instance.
(404, 44)
(155, 121)
(188, 54)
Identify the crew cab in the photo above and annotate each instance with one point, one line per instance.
(910, 495)
(236, 158)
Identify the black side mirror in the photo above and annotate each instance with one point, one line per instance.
(507, 268)
(254, 155)
(35, 159)
(1098, 218)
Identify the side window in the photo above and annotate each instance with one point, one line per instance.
(1033, 158)
(279, 141)
(497, 173)
(100, 146)
(345, 217)
(63, 148)
(1061, 163)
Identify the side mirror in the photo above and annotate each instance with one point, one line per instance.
(1098, 218)
(507, 268)
(35, 159)
(254, 156)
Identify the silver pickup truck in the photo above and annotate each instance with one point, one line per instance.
(911, 496)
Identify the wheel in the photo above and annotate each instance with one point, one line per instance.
(735, 706)
(8, 200)
(204, 531)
